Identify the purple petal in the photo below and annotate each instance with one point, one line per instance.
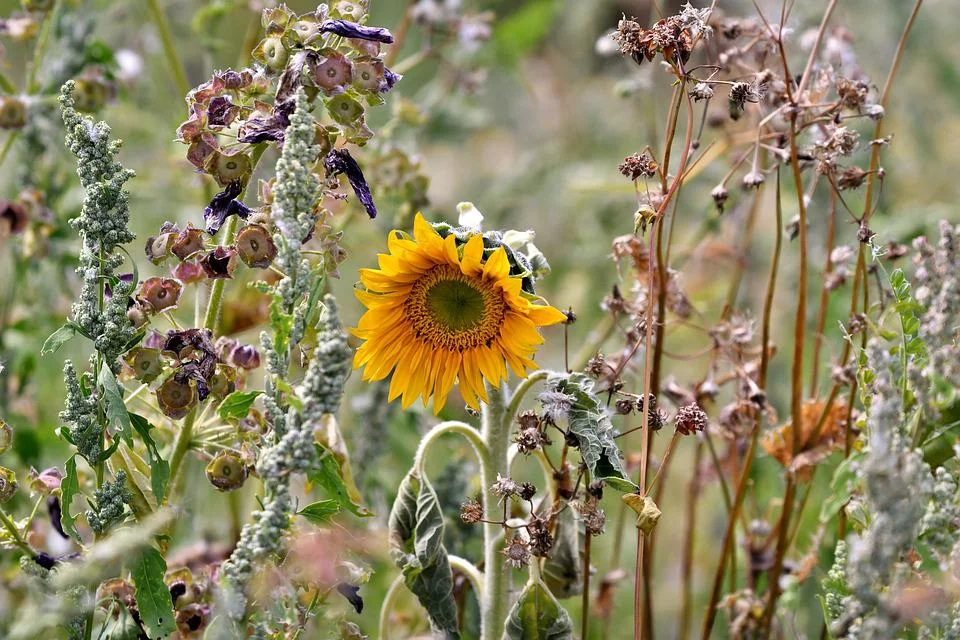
(340, 161)
(349, 29)
(223, 205)
(267, 129)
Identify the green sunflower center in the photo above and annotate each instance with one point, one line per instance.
(455, 304)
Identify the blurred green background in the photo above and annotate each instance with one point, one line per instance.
(530, 128)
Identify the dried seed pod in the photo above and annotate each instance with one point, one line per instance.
(220, 263)
(333, 73)
(646, 509)
(160, 294)
(192, 619)
(227, 471)
(223, 382)
(160, 246)
(8, 484)
(188, 242)
(245, 356)
(13, 112)
(45, 482)
(13, 218)
(189, 272)
(146, 363)
(255, 246)
(176, 399)
(369, 75)
(6, 436)
(228, 168)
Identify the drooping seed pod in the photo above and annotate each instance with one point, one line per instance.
(160, 294)
(227, 168)
(333, 73)
(6, 436)
(13, 218)
(159, 247)
(188, 242)
(255, 246)
(146, 363)
(176, 399)
(220, 263)
(8, 484)
(245, 356)
(45, 482)
(272, 53)
(13, 112)
(227, 471)
(192, 619)
(189, 272)
(223, 382)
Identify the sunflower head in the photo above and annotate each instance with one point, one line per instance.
(446, 308)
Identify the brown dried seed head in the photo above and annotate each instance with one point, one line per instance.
(255, 246)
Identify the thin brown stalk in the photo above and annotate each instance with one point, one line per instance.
(727, 544)
(689, 534)
(585, 602)
(824, 294)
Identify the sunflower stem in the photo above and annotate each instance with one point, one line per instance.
(451, 426)
(495, 428)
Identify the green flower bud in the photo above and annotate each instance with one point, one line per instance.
(272, 53)
(307, 28)
(255, 246)
(344, 109)
(176, 399)
(8, 484)
(350, 10)
(223, 382)
(6, 436)
(146, 363)
(227, 471)
(13, 112)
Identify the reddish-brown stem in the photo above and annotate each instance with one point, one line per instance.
(727, 544)
(686, 563)
(824, 294)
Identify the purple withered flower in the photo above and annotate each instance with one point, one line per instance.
(349, 29)
(223, 205)
(221, 112)
(340, 161)
(267, 128)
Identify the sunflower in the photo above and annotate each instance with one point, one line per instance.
(438, 313)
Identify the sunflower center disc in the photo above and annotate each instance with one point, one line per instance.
(455, 304)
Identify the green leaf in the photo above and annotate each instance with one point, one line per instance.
(159, 468)
(153, 595)
(588, 420)
(563, 571)
(329, 476)
(320, 512)
(69, 487)
(118, 419)
(416, 547)
(537, 616)
(842, 487)
(59, 338)
(237, 405)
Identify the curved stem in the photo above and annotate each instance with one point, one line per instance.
(496, 435)
(451, 426)
(522, 389)
(467, 568)
(395, 588)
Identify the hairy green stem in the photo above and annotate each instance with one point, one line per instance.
(495, 427)
(451, 426)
